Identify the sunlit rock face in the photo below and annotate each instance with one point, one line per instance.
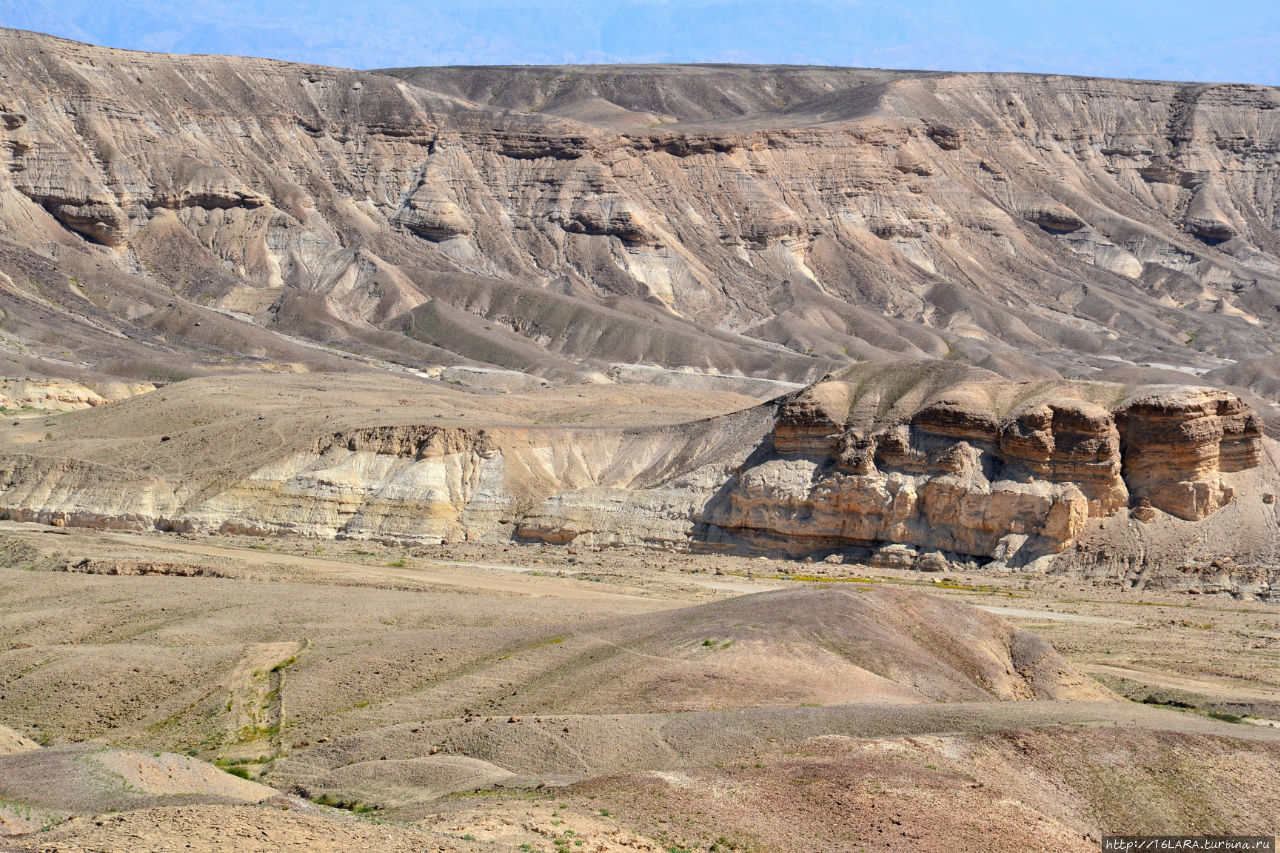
(772, 222)
(996, 470)
(1177, 445)
(893, 464)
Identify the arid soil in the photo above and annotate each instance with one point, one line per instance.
(406, 460)
(488, 697)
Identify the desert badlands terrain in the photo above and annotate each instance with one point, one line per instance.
(633, 458)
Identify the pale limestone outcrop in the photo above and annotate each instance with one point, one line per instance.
(434, 484)
(362, 494)
(75, 493)
(418, 483)
(61, 395)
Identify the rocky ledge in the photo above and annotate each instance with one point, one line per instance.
(915, 465)
(996, 470)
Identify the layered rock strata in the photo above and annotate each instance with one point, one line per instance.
(907, 467)
(419, 484)
(758, 221)
(1177, 445)
(957, 476)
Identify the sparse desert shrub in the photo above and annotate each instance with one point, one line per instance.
(1225, 716)
(354, 806)
(284, 664)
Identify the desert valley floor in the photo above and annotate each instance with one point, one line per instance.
(481, 697)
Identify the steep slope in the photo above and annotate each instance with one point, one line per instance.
(393, 458)
(170, 215)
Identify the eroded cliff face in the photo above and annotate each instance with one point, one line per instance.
(417, 483)
(558, 221)
(1177, 446)
(999, 471)
(894, 465)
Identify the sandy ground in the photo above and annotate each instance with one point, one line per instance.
(504, 697)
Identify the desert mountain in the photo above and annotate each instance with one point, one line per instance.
(422, 326)
(1010, 298)
(167, 216)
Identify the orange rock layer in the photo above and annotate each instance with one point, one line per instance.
(954, 477)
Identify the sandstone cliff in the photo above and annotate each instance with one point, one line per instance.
(909, 466)
(884, 462)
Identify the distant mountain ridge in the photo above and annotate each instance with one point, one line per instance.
(168, 216)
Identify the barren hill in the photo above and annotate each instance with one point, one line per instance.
(166, 216)
(421, 325)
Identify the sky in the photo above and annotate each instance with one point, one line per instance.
(1171, 40)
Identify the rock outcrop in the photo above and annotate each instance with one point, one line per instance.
(405, 482)
(993, 470)
(1177, 444)
(916, 466)
(1069, 441)
(53, 395)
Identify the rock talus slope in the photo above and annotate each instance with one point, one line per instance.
(174, 215)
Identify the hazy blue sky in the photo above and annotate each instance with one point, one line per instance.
(1226, 41)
